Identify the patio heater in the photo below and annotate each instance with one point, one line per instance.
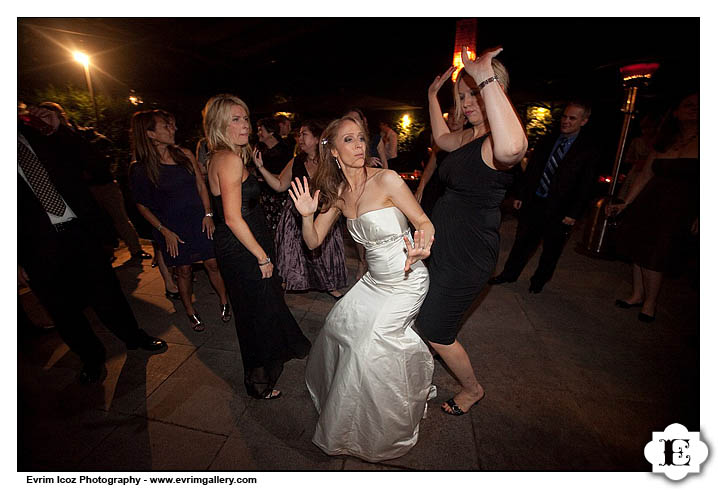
(597, 227)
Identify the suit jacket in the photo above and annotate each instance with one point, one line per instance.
(571, 184)
(63, 157)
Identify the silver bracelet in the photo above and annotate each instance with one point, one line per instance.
(265, 262)
(486, 82)
(159, 227)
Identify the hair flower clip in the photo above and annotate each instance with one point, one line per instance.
(324, 141)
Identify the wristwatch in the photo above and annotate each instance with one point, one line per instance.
(209, 215)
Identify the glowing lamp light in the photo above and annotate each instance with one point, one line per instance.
(134, 98)
(81, 58)
(405, 121)
(459, 64)
(638, 71)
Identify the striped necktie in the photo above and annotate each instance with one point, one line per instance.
(39, 181)
(551, 167)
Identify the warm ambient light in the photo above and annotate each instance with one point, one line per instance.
(81, 58)
(638, 71)
(405, 121)
(459, 64)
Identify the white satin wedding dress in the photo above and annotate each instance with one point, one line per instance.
(368, 373)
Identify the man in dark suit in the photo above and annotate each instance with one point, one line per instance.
(551, 194)
(59, 252)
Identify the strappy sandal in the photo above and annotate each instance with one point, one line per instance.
(225, 312)
(455, 409)
(273, 395)
(196, 322)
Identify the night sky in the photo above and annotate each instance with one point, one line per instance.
(261, 59)
(319, 67)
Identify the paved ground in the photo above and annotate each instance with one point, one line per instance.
(572, 382)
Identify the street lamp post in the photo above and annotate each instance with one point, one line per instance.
(84, 60)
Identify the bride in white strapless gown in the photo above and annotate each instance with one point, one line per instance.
(368, 373)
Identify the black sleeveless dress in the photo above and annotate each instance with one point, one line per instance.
(267, 332)
(658, 222)
(464, 255)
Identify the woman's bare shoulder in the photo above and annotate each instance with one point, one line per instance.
(223, 157)
(386, 176)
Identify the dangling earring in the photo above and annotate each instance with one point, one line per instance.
(337, 160)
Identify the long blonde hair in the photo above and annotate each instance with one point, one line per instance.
(216, 116)
(329, 176)
(499, 70)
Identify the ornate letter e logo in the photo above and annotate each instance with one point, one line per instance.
(676, 452)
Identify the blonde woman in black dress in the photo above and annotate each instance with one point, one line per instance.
(467, 216)
(267, 332)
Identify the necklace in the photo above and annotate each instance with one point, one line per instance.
(361, 193)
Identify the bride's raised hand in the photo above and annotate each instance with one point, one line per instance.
(480, 69)
(439, 81)
(420, 250)
(305, 203)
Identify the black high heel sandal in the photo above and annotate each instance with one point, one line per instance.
(225, 312)
(170, 295)
(625, 304)
(642, 317)
(455, 409)
(271, 395)
(196, 322)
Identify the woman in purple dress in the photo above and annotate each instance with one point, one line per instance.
(323, 268)
(171, 195)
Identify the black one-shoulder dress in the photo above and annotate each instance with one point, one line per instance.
(467, 219)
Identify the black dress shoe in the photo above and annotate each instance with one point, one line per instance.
(500, 279)
(625, 304)
(91, 374)
(646, 318)
(152, 344)
(535, 288)
(141, 255)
